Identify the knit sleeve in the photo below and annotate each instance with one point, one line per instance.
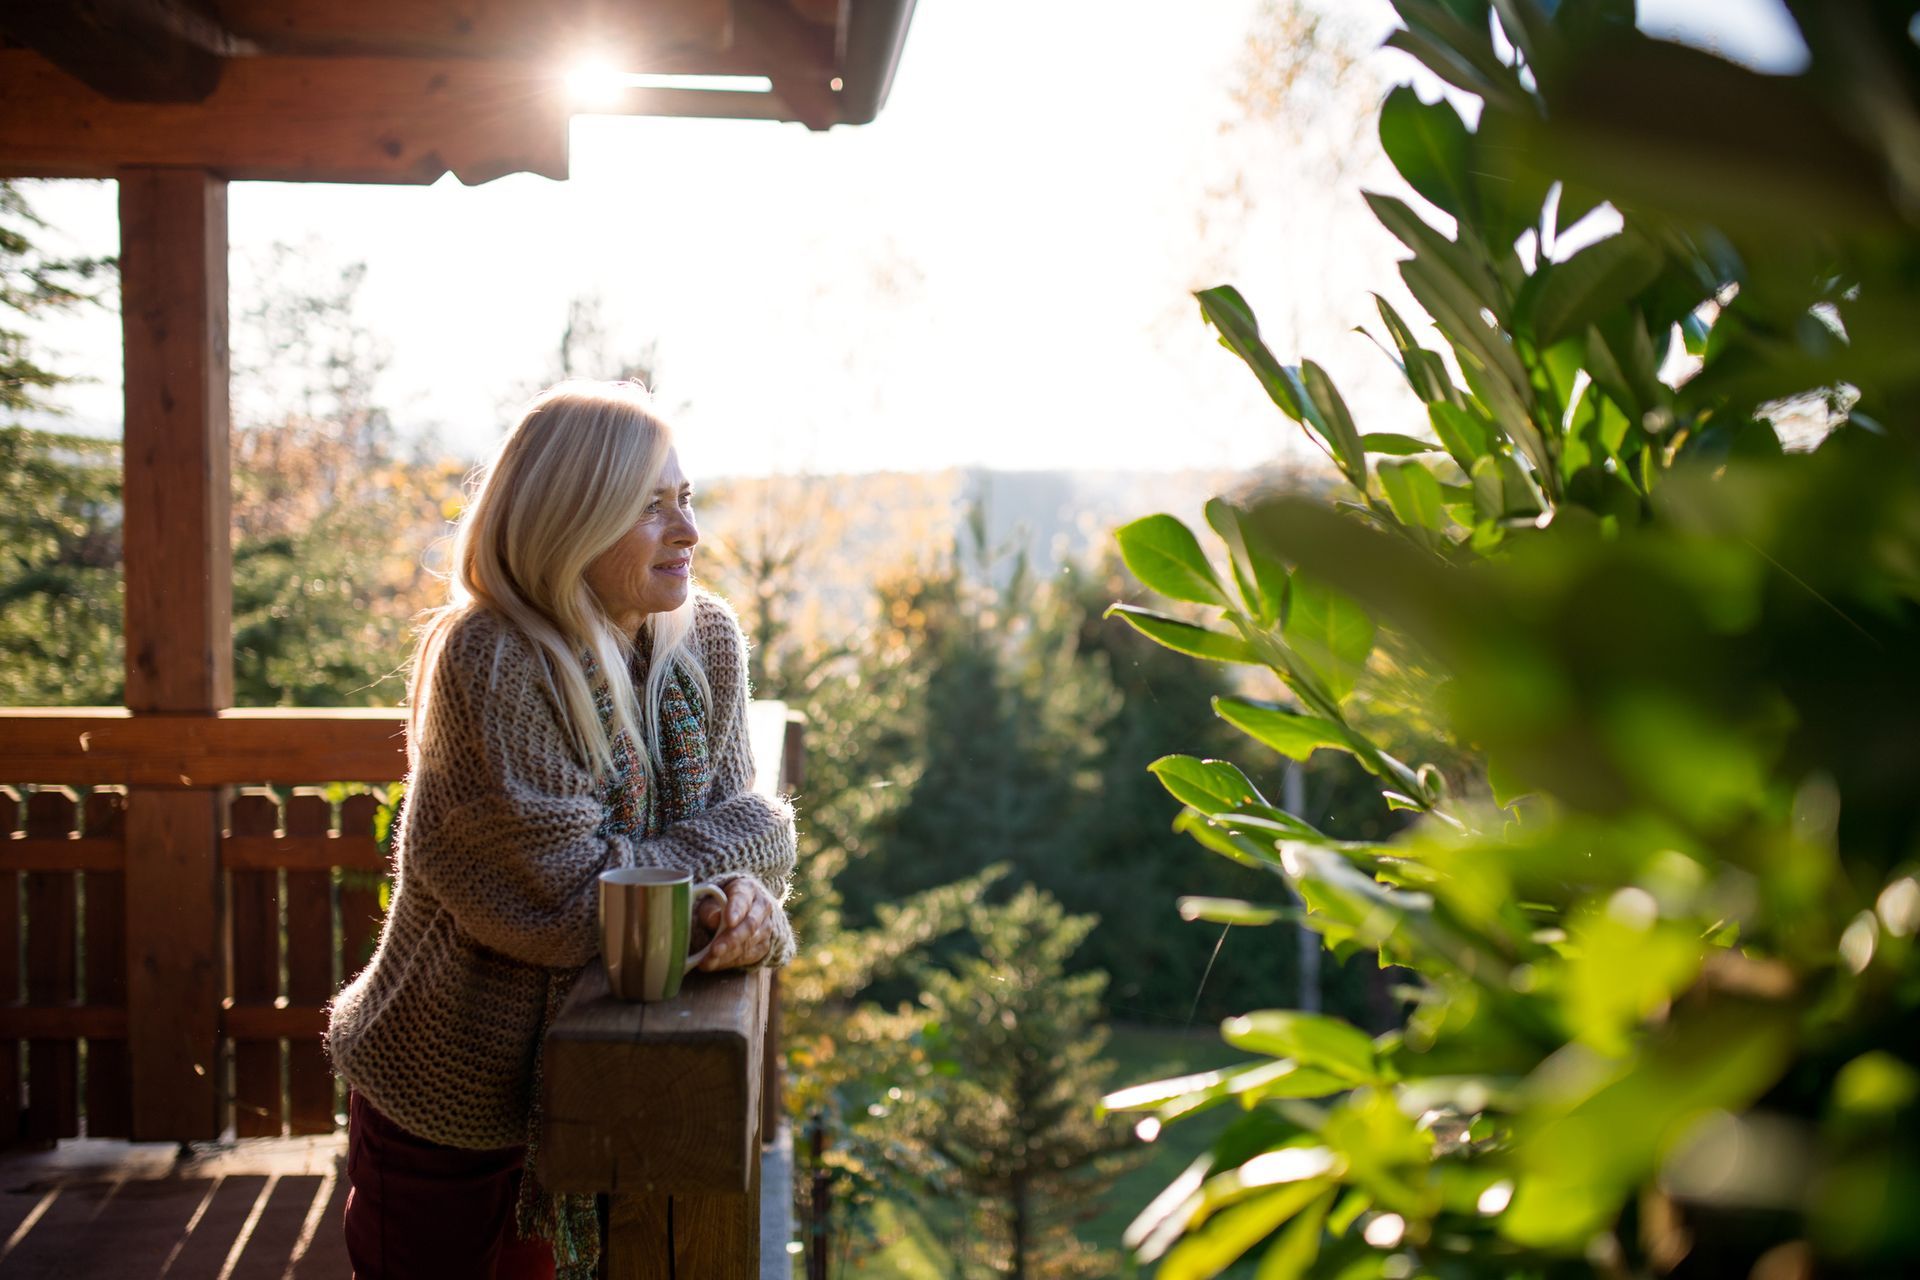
(503, 818)
(739, 832)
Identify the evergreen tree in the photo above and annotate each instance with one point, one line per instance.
(59, 492)
(1008, 1119)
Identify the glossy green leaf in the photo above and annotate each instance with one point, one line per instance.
(1602, 277)
(1163, 553)
(1414, 495)
(1293, 734)
(1430, 146)
(1312, 1039)
(1331, 633)
(1261, 577)
(1233, 1231)
(1184, 637)
(1233, 319)
(1396, 445)
(1211, 786)
(1342, 436)
(1464, 436)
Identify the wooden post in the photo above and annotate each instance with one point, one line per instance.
(179, 628)
(659, 1105)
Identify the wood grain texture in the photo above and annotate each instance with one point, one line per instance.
(296, 119)
(639, 1238)
(241, 1022)
(109, 1086)
(253, 967)
(718, 1234)
(174, 977)
(63, 853)
(360, 914)
(133, 50)
(309, 969)
(62, 1022)
(177, 536)
(653, 1099)
(53, 1065)
(96, 745)
(554, 29)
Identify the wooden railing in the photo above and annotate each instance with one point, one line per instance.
(158, 950)
(665, 1107)
(182, 916)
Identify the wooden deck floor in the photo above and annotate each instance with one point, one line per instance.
(258, 1209)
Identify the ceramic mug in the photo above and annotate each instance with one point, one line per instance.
(646, 918)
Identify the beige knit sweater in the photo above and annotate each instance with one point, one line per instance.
(496, 868)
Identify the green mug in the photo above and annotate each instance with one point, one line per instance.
(646, 918)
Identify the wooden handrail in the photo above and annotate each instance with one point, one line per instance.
(89, 746)
(665, 1106)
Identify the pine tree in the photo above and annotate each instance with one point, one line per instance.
(1008, 1119)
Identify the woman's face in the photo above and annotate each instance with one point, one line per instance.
(650, 569)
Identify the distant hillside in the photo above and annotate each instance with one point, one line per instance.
(831, 538)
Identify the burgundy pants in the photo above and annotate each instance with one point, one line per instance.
(417, 1210)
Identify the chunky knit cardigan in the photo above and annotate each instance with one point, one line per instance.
(496, 865)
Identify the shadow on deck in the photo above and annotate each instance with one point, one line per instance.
(257, 1209)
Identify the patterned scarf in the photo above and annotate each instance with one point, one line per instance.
(570, 1221)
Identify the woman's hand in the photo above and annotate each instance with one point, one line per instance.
(745, 934)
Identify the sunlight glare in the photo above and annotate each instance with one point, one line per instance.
(595, 84)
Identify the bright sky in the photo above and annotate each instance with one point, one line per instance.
(994, 273)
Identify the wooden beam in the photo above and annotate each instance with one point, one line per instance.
(387, 120)
(179, 628)
(93, 745)
(128, 50)
(655, 1099)
(178, 536)
(174, 976)
(632, 35)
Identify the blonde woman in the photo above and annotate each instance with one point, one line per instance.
(579, 705)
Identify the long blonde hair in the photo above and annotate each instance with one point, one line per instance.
(572, 476)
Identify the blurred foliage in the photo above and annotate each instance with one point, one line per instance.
(59, 491)
(1660, 942)
(331, 514)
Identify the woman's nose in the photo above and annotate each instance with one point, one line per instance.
(684, 532)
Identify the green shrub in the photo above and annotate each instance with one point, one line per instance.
(1661, 951)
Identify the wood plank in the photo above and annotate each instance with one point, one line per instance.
(272, 1021)
(62, 1022)
(100, 745)
(652, 1099)
(253, 965)
(292, 119)
(109, 1075)
(717, 1235)
(177, 537)
(12, 1114)
(53, 1064)
(302, 853)
(63, 853)
(360, 914)
(633, 36)
(639, 1238)
(132, 50)
(309, 969)
(173, 963)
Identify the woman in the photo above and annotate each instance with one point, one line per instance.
(580, 705)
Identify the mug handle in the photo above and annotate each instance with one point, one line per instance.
(699, 891)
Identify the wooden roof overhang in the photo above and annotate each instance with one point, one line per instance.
(404, 91)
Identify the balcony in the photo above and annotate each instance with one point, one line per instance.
(161, 1032)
